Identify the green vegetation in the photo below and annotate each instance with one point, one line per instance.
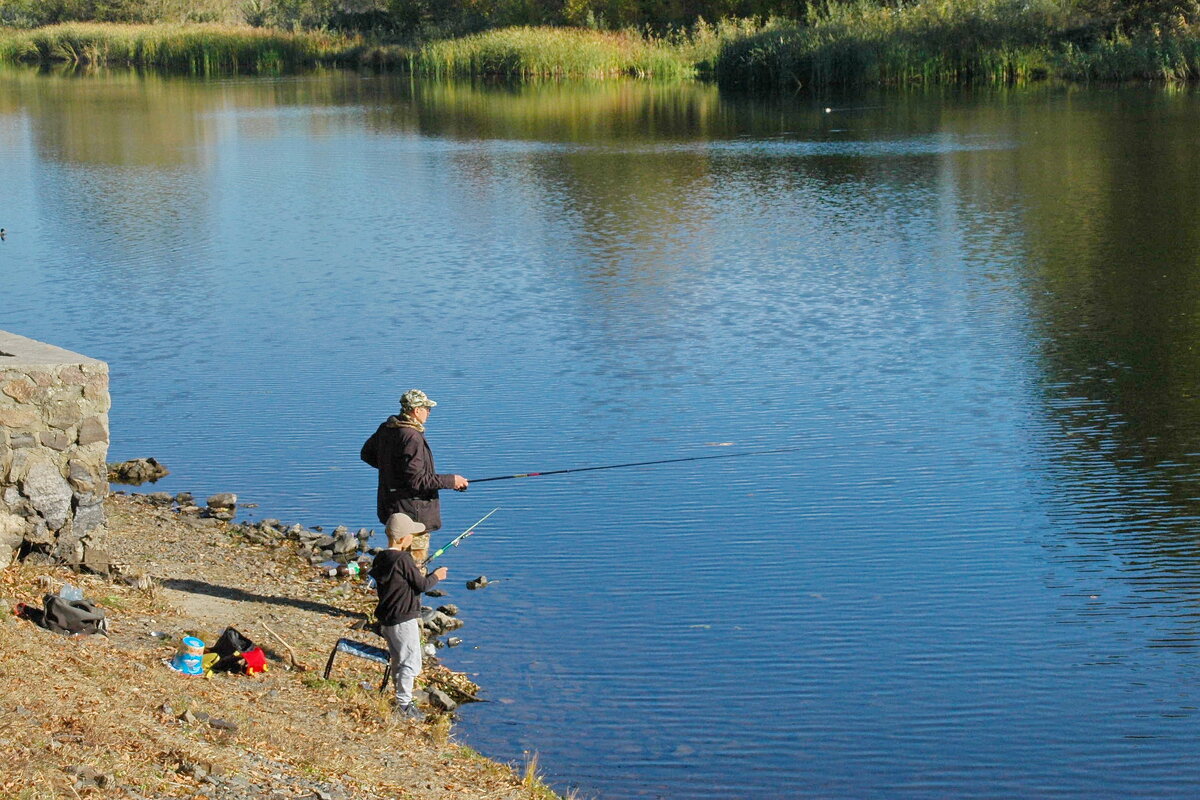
(942, 41)
(935, 41)
(759, 44)
(533, 52)
(195, 49)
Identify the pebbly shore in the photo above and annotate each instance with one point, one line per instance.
(107, 716)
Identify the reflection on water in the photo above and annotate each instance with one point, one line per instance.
(974, 318)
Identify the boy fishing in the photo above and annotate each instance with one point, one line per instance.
(399, 584)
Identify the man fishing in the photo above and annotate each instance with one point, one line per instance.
(408, 482)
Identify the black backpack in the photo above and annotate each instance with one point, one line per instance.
(72, 616)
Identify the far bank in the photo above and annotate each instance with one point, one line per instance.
(842, 46)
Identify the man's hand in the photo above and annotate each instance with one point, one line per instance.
(460, 483)
(440, 573)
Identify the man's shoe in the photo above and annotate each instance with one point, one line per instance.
(409, 711)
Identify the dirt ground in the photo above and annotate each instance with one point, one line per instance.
(105, 717)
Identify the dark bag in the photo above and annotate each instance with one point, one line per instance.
(232, 648)
(231, 643)
(73, 616)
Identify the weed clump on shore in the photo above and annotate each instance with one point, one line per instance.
(537, 52)
(192, 49)
(859, 43)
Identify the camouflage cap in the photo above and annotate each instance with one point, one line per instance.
(415, 398)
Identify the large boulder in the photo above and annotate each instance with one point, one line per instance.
(48, 493)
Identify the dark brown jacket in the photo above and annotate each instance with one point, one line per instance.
(407, 480)
(399, 583)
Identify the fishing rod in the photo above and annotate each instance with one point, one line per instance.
(455, 541)
(635, 464)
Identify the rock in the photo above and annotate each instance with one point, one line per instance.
(96, 561)
(48, 492)
(160, 498)
(222, 724)
(440, 700)
(429, 650)
(438, 623)
(478, 583)
(137, 471)
(85, 481)
(55, 440)
(37, 558)
(88, 517)
(140, 581)
(453, 641)
(346, 543)
(67, 548)
(85, 776)
(435, 593)
(187, 717)
(223, 500)
(92, 431)
(20, 441)
(193, 770)
(449, 610)
(184, 498)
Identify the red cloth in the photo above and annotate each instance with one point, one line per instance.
(256, 660)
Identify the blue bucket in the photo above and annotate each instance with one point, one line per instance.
(189, 657)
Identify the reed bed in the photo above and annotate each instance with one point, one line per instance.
(934, 41)
(1152, 55)
(194, 49)
(526, 52)
(849, 43)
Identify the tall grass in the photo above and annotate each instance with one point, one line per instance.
(195, 49)
(858, 43)
(1151, 55)
(847, 43)
(568, 52)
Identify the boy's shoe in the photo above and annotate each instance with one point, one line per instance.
(409, 711)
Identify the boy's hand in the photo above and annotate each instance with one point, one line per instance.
(440, 573)
(460, 483)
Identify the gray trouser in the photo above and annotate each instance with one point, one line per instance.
(404, 642)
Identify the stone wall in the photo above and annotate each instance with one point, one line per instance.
(53, 449)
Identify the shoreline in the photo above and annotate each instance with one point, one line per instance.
(843, 47)
(108, 715)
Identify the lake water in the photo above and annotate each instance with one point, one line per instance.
(972, 320)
